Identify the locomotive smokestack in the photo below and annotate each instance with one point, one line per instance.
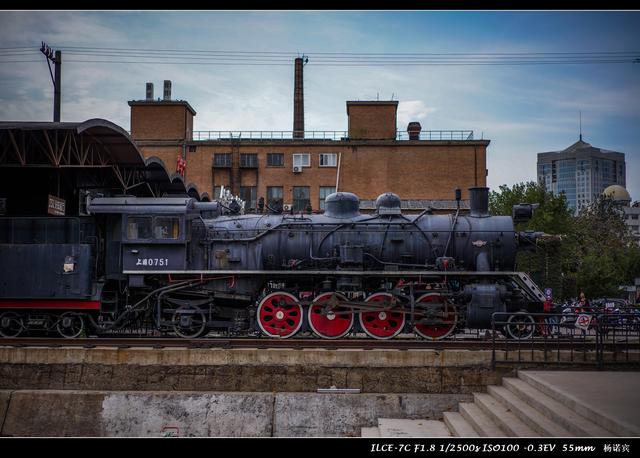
(298, 101)
(479, 201)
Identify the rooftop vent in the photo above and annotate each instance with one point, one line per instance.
(167, 89)
(413, 129)
(149, 91)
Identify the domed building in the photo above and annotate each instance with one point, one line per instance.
(619, 195)
(622, 198)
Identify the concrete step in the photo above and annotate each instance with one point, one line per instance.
(480, 421)
(527, 414)
(561, 385)
(391, 427)
(554, 410)
(458, 426)
(502, 416)
(371, 431)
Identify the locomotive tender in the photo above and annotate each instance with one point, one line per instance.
(181, 266)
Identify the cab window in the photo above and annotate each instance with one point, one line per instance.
(139, 227)
(166, 228)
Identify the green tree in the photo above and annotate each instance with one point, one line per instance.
(553, 216)
(604, 254)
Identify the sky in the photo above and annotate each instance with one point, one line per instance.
(522, 109)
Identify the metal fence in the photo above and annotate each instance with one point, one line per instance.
(597, 339)
(334, 135)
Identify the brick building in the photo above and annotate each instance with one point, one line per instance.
(370, 158)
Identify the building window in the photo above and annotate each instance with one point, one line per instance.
(275, 160)
(301, 199)
(166, 228)
(329, 160)
(274, 197)
(222, 160)
(139, 227)
(324, 192)
(192, 148)
(250, 195)
(216, 191)
(249, 161)
(301, 160)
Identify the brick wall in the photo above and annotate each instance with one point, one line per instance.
(372, 120)
(413, 170)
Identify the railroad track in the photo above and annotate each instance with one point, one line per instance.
(305, 343)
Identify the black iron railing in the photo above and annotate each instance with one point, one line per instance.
(572, 338)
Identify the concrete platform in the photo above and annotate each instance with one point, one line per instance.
(541, 403)
(611, 399)
(249, 370)
(389, 427)
(206, 414)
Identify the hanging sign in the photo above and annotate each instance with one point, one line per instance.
(55, 206)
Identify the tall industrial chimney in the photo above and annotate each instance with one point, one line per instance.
(149, 91)
(167, 89)
(298, 101)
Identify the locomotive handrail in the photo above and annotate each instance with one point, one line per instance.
(359, 273)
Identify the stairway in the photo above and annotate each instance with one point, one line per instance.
(526, 406)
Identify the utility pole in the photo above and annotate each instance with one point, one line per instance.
(56, 76)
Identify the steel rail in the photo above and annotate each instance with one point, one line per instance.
(300, 343)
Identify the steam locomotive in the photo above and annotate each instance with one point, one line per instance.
(179, 266)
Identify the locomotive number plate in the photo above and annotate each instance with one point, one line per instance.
(152, 262)
(153, 257)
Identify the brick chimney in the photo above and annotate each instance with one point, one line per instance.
(298, 101)
(413, 129)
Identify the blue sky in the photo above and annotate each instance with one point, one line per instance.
(522, 109)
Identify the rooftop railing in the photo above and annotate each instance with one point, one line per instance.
(438, 135)
(199, 135)
(333, 135)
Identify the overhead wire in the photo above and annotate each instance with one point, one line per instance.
(113, 55)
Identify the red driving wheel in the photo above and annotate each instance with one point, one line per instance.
(383, 324)
(445, 318)
(333, 323)
(280, 315)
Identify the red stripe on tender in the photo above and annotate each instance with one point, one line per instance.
(57, 304)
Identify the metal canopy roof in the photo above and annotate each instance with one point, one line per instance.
(93, 144)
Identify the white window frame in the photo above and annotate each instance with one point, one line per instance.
(335, 159)
(298, 163)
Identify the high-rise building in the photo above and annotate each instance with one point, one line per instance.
(581, 172)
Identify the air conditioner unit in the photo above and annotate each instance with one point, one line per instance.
(287, 207)
(297, 169)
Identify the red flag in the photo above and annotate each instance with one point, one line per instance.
(181, 166)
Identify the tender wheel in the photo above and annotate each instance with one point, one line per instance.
(279, 315)
(331, 324)
(443, 317)
(383, 324)
(11, 324)
(520, 326)
(189, 322)
(70, 325)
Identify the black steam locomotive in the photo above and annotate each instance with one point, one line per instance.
(176, 265)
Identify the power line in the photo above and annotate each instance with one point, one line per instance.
(110, 55)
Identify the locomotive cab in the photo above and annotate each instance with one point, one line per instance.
(147, 234)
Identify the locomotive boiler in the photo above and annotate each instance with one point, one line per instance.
(191, 268)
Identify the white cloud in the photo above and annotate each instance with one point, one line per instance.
(412, 110)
